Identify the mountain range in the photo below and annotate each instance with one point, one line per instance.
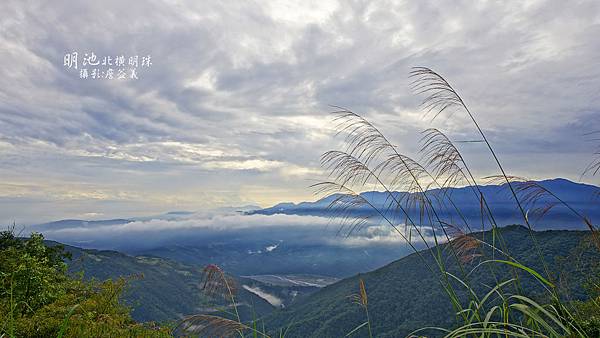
(580, 196)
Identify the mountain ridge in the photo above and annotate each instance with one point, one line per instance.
(159, 289)
(370, 192)
(404, 296)
(578, 195)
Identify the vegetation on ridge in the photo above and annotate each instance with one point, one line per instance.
(39, 299)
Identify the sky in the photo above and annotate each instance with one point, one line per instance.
(235, 107)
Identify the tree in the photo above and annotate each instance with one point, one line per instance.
(39, 299)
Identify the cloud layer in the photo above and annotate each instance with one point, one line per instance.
(204, 228)
(234, 107)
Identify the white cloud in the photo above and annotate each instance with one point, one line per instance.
(200, 227)
(272, 299)
(271, 247)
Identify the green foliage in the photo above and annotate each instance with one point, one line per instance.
(587, 313)
(33, 271)
(39, 299)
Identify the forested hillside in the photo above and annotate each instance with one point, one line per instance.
(405, 296)
(158, 289)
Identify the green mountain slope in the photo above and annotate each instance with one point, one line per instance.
(404, 295)
(159, 289)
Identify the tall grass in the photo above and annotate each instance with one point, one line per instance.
(217, 284)
(370, 159)
(362, 299)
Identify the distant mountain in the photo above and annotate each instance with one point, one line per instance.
(244, 208)
(404, 295)
(583, 197)
(78, 223)
(159, 289)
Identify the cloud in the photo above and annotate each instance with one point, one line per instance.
(216, 226)
(271, 247)
(238, 94)
(272, 299)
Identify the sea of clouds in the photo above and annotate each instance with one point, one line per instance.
(207, 227)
